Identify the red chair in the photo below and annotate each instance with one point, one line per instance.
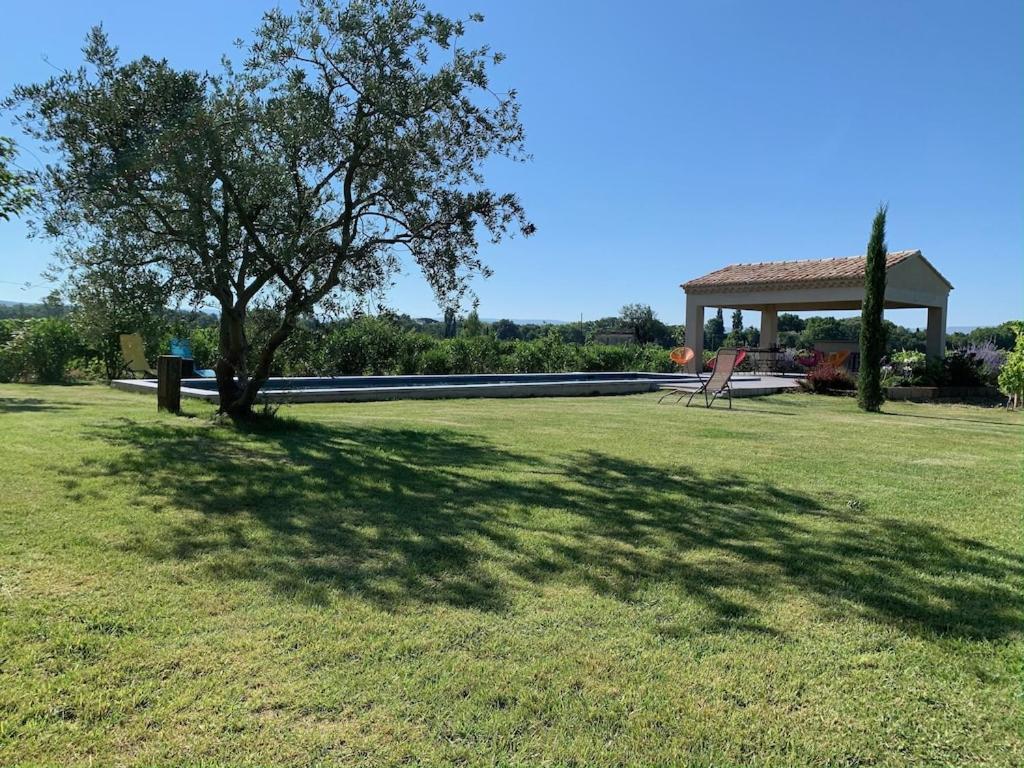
(740, 357)
(811, 360)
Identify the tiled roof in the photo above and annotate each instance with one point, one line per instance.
(806, 273)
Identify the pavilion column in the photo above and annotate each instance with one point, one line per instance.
(695, 333)
(769, 327)
(935, 340)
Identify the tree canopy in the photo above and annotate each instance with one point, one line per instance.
(15, 193)
(348, 137)
(645, 325)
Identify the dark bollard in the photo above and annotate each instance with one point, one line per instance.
(168, 383)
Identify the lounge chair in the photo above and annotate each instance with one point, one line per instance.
(183, 348)
(716, 385)
(134, 354)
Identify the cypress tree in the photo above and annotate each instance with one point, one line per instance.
(872, 332)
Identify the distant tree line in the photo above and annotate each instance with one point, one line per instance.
(636, 320)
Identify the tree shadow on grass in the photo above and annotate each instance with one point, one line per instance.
(32, 405)
(1003, 425)
(417, 516)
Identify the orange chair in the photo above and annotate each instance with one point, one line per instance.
(836, 359)
(681, 356)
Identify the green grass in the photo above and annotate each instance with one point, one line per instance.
(596, 581)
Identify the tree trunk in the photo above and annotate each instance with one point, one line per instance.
(238, 390)
(231, 371)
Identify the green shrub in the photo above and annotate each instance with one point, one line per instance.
(473, 354)
(605, 357)
(525, 357)
(412, 350)
(962, 369)
(368, 346)
(651, 357)
(10, 367)
(88, 368)
(39, 350)
(205, 346)
(381, 346)
(557, 354)
(433, 361)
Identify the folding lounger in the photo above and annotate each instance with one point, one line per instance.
(716, 384)
(134, 354)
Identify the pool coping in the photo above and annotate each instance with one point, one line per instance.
(639, 382)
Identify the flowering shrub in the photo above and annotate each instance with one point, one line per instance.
(990, 359)
(910, 368)
(828, 379)
(970, 366)
(786, 361)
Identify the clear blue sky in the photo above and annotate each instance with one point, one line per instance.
(671, 138)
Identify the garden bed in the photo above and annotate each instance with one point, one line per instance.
(925, 394)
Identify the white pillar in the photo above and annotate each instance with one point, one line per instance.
(769, 327)
(695, 333)
(935, 340)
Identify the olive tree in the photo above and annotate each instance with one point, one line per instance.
(347, 136)
(15, 194)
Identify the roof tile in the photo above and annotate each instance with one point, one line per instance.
(806, 273)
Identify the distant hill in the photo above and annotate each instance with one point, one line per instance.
(527, 321)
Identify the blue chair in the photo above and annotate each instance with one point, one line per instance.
(183, 348)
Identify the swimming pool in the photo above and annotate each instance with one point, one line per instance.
(324, 389)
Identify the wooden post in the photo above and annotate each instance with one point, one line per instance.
(168, 383)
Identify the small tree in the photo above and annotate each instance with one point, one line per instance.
(450, 323)
(472, 326)
(1011, 377)
(737, 321)
(349, 135)
(639, 318)
(714, 331)
(872, 331)
(790, 322)
(108, 302)
(505, 330)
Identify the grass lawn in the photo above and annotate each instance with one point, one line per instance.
(594, 581)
